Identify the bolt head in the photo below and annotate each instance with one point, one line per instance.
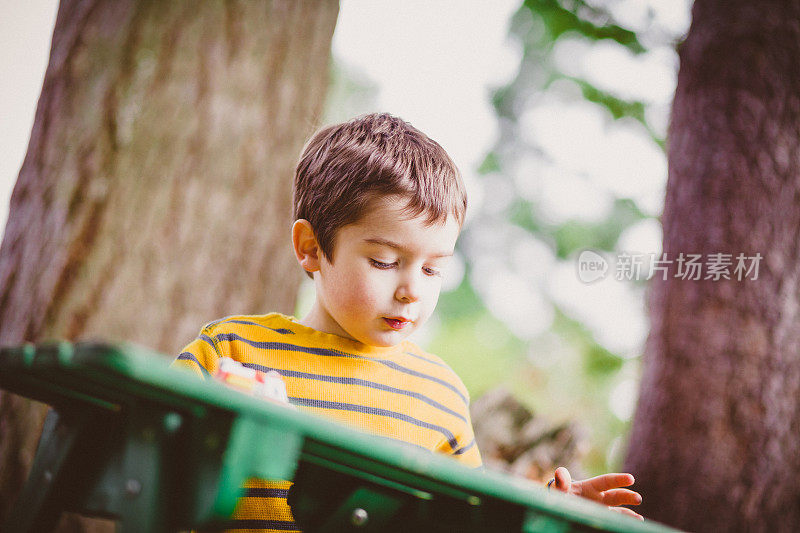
(133, 487)
(359, 517)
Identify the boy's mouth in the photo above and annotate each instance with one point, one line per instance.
(397, 323)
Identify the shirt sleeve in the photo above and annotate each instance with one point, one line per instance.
(201, 355)
(462, 446)
(467, 449)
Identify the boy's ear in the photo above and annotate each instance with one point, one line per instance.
(305, 245)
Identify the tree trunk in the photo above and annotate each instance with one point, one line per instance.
(155, 193)
(715, 444)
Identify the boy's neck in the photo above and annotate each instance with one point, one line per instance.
(318, 320)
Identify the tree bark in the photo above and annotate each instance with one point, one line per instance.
(714, 445)
(155, 194)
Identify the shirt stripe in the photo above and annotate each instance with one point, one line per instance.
(465, 448)
(260, 492)
(210, 341)
(335, 353)
(431, 361)
(358, 382)
(280, 525)
(282, 331)
(322, 404)
(188, 356)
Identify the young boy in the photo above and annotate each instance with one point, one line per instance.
(378, 207)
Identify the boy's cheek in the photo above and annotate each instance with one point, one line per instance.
(365, 288)
(430, 305)
(357, 299)
(429, 311)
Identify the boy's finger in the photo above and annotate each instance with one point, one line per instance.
(621, 497)
(626, 511)
(610, 481)
(563, 479)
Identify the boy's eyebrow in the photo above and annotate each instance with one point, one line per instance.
(391, 244)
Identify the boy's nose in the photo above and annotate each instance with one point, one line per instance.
(408, 291)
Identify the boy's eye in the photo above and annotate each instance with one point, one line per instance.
(380, 264)
(431, 271)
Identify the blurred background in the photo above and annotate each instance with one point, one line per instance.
(558, 124)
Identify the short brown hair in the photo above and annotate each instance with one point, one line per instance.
(344, 166)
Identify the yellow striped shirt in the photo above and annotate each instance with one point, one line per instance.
(400, 392)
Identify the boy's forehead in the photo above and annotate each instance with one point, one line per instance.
(391, 224)
(444, 250)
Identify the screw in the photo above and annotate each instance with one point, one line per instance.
(359, 517)
(48, 476)
(172, 422)
(133, 488)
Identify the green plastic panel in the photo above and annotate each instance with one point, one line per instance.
(174, 450)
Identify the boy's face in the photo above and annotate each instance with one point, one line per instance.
(385, 277)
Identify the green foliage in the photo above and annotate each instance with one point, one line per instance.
(598, 361)
(461, 302)
(560, 17)
(524, 214)
(566, 373)
(491, 163)
(539, 24)
(568, 376)
(618, 107)
(601, 361)
(574, 236)
(476, 345)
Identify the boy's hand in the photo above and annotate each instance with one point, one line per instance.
(264, 385)
(604, 489)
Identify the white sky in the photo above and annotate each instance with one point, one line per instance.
(25, 32)
(435, 64)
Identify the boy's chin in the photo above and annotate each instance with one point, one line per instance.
(385, 339)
